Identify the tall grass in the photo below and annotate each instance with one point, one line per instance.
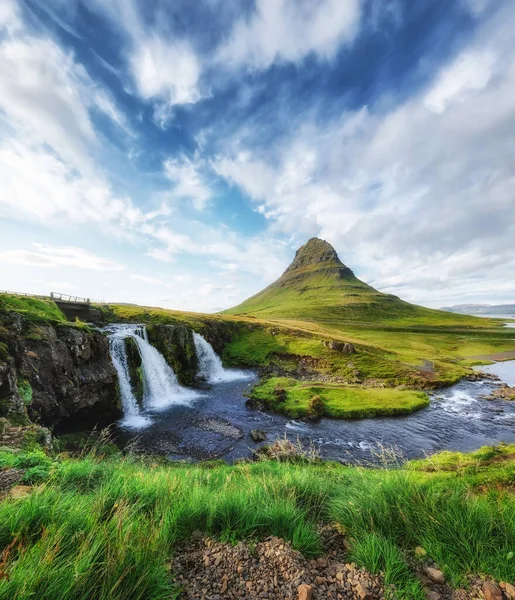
(106, 528)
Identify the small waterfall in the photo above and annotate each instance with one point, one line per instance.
(161, 388)
(210, 365)
(131, 411)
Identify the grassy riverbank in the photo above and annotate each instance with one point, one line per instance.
(105, 527)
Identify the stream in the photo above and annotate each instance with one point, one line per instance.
(214, 422)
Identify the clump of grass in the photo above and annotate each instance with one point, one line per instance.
(379, 555)
(287, 450)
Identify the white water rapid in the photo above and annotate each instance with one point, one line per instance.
(210, 365)
(160, 386)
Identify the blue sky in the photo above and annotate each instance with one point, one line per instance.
(176, 153)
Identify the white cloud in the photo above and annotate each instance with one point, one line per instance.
(165, 69)
(188, 181)
(54, 189)
(46, 93)
(54, 256)
(10, 18)
(289, 30)
(470, 73)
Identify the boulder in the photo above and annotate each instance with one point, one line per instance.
(491, 591)
(432, 595)
(258, 435)
(343, 347)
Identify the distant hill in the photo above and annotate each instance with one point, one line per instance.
(481, 309)
(318, 286)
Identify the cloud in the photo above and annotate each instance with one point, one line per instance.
(471, 72)
(289, 30)
(55, 189)
(188, 181)
(164, 67)
(10, 18)
(168, 71)
(47, 94)
(54, 256)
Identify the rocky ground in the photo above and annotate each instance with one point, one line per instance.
(272, 570)
(206, 569)
(8, 478)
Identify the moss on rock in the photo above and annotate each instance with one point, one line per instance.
(175, 343)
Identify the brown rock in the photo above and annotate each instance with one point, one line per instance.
(435, 575)
(491, 591)
(305, 591)
(432, 595)
(510, 590)
(363, 592)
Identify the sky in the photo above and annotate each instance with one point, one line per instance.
(175, 153)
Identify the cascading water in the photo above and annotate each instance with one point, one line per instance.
(160, 386)
(210, 365)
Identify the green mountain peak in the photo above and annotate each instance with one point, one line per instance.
(317, 253)
(317, 286)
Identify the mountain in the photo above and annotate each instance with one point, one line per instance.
(481, 309)
(318, 286)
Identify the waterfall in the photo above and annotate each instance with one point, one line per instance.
(160, 388)
(210, 365)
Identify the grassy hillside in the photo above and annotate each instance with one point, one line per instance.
(317, 286)
(33, 309)
(105, 528)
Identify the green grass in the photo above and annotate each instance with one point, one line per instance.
(106, 528)
(33, 309)
(339, 401)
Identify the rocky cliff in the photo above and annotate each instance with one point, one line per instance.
(175, 343)
(58, 375)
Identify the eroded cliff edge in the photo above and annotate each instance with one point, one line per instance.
(55, 374)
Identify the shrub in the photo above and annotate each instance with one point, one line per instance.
(280, 393)
(316, 408)
(36, 475)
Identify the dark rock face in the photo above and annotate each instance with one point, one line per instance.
(135, 370)
(175, 343)
(58, 376)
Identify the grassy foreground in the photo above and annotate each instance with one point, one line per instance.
(105, 527)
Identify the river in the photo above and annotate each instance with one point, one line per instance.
(215, 423)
